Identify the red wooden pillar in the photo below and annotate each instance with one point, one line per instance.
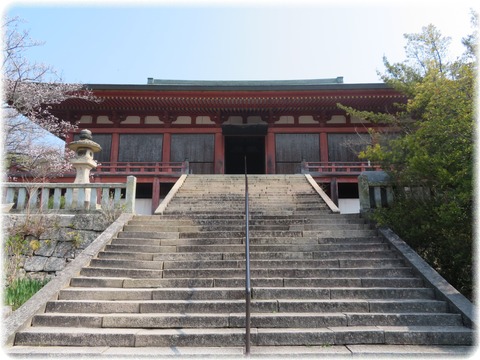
(115, 147)
(167, 139)
(323, 147)
(270, 152)
(155, 194)
(219, 155)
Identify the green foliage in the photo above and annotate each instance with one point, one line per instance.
(435, 151)
(62, 202)
(16, 245)
(438, 229)
(76, 238)
(23, 239)
(20, 290)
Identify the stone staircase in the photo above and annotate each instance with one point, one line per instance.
(177, 280)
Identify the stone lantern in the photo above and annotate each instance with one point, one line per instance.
(83, 161)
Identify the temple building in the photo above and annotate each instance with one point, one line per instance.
(167, 127)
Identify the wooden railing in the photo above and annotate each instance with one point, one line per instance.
(25, 196)
(143, 168)
(337, 168)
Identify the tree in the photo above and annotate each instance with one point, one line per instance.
(434, 150)
(29, 90)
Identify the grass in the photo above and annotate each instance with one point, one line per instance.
(20, 290)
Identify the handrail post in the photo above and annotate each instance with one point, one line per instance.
(248, 289)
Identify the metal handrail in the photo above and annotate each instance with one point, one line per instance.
(248, 288)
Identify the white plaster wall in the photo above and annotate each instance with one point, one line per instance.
(102, 119)
(307, 119)
(153, 120)
(86, 119)
(234, 120)
(349, 206)
(131, 120)
(143, 206)
(285, 119)
(337, 119)
(204, 120)
(183, 120)
(255, 120)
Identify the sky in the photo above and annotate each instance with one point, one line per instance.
(126, 42)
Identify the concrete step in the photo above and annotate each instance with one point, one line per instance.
(238, 293)
(125, 239)
(255, 264)
(240, 282)
(257, 305)
(290, 273)
(237, 320)
(179, 248)
(151, 294)
(229, 273)
(214, 227)
(272, 352)
(215, 215)
(61, 336)
(287, 221)
(279, 248)
(241, 227)
(340, 255)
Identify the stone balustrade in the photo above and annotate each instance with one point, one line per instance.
(23, 197)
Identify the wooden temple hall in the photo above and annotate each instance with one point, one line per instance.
(164, 128)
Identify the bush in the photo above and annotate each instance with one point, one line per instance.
(20, 290)
(440, 230)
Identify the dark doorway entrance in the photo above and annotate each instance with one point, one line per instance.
(237, 147)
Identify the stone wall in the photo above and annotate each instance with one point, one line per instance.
(54, 241)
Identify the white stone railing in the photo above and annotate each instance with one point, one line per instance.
(22, 197)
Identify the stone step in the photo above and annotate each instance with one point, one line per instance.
(151, 294)
(241, 227)
(255, 264)
(282, 248)
(240, 282)
(217, 227)
(218, 215)
(241, 248)
(161, 221)
(146, 241)
(257, 305)
(62, 336)
(272, 352)
(254, 199)
(387, 254)
(229, 273)
(203, 234)
(238, 293)
(239, 206)
(201, 212)
(290, 273)
(237, 320)
(254, 241)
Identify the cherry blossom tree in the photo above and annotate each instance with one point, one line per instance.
(29, 92)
